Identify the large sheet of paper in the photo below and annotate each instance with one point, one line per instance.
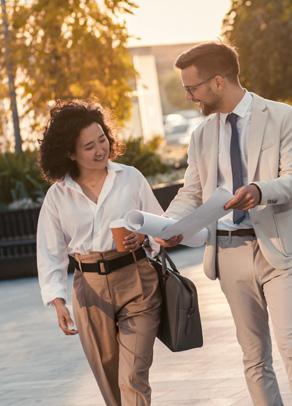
(203, 216)
(192, 227)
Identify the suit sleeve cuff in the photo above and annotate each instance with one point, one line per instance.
(260, 192)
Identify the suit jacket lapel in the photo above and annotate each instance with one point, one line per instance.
(211, 139)
(256, 134)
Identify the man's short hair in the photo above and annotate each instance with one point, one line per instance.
(211, 58)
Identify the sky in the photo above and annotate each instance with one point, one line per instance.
(176, 21)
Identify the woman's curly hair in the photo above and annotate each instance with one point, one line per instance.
(67, 119)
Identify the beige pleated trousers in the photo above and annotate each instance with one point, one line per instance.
(117, 316)
(255, 290)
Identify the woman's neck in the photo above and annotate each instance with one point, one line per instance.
(91, 176)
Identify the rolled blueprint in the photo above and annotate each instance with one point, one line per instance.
(151, 224)
(147, 223)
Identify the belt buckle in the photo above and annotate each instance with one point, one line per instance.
(106, 267)
(78, 260)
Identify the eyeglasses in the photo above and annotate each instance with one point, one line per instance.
(191, 89)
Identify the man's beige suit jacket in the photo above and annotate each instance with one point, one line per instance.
(269, 156)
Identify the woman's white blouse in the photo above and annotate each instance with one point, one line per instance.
(69, 222)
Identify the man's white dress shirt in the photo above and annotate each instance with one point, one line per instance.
(69, 222)
(243, 111)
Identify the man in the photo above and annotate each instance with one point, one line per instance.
(244, 145)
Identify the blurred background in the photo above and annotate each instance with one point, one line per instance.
(120, 52)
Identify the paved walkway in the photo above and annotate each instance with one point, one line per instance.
(41, 366)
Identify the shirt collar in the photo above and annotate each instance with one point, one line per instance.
(114, 166)
(241, 109)
(111, 167)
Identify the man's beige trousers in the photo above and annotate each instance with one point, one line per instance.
(252, 288)
(117, 317)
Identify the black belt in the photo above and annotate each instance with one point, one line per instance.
(111, 265)
(242, 232)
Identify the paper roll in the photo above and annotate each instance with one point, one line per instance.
(147, 223)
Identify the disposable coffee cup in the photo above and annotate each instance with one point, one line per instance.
(119, 232)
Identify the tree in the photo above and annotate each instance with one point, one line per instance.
(70, 48)
(10, 77)
(261, 30)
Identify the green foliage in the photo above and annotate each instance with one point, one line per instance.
(262, 32)
(144, 156)
(69, 49)
(3, 119)
(20, 178)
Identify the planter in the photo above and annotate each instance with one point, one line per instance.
(18, 235)
(17, 243)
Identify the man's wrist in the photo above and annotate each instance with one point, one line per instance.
(259, 190)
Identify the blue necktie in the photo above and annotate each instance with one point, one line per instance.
(236, 166)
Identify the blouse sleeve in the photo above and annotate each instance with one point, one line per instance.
(150, 204)
(148, 200)
(52, 255)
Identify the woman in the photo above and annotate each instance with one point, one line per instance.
(116, 299)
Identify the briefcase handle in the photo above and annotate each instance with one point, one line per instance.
(164, 257)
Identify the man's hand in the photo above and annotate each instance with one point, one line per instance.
(246, 197)
(172, 242)
(64, 318)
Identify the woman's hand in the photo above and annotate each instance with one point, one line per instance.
(64, 318)
(133, 241)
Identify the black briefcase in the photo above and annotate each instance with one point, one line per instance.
(180, 327)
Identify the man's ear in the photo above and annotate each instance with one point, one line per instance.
(219, 82)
